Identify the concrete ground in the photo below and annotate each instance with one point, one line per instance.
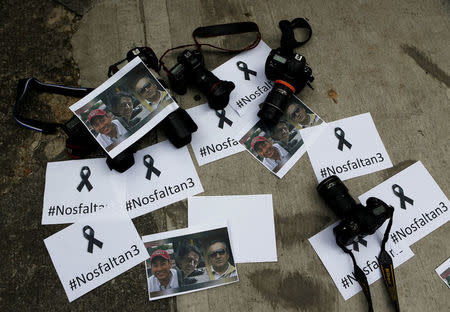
(387, 58)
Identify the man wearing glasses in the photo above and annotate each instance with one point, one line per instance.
(218, 256)
(299, 116)
(149, 91)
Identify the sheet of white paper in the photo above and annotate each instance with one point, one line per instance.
(210, 142)
(216, 137)
(77, 188)
(348, 148)
(94, 250)
(128, 131)
(280, 147)
(425, 206)
(444, 272)
(250, 221)
(340, 266)
(248, 93)
(197, 238)
(162, 175)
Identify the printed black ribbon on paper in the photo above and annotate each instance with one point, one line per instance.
(90, 237)
(85, 179)
(361, 241)
(340, 134)
(223, 119)
(148, 162)
(243, 67)
(398, 191)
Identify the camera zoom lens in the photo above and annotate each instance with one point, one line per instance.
(275, 104)
(336, 196)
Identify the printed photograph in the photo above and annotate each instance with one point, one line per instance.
(273, 147)
(127, 105)
(188, 263)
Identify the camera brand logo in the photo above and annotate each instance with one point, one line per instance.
(340, 134)
(398, 191)
(221, 114)
(85, 173)
(359, 240)
(247, 72)
(148, 162)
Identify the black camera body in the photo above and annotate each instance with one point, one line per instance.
(291, 68)
(291, 74)
(357, 220)
(146, 54)
(190, 68)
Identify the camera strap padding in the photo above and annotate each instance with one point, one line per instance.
(386, 267)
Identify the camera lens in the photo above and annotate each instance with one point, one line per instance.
(220, 94)
(275, 104)
(336, 196)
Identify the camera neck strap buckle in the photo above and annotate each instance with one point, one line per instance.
(386, 267)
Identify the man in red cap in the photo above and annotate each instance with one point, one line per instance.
(274, 156)
(110, 132)
(163, 276)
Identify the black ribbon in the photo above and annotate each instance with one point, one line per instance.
(340, 134)
(90, 237)
(85, 179)
(148, 162)
(223, 119)
(398, 191)
(243, 67)
(361, 241)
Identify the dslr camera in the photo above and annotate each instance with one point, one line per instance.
(190, 67)
(357, 220)
(290, 73)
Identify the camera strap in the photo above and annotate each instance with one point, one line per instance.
(215, 31)
(26, 85)
(288, 42)
(76, 147)
(387, 270)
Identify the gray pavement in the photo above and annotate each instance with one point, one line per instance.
(387, 58)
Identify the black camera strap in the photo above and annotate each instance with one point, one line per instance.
(76, 147)
(215, 31)
(288, 42)
(386, 267)
(26, 85)
(227, 29)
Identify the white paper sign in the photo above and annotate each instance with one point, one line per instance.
(211, 142)
(250, 221)
(420, 205)
(216, 137)
(78, 188)
(247, 71)
(444, 272)
(94, 250)
(340, 266)
(162, 175)
(125, 107)
(348, 148)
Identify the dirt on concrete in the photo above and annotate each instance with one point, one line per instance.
(35, 42)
